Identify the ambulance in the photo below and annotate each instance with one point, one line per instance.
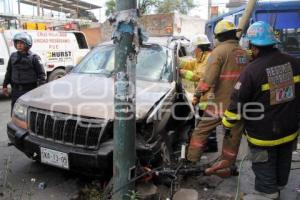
(57, 49)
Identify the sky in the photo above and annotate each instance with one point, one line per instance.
(200, 10)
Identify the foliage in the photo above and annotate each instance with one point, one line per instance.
(181, 6)
(110, 7)
(92, 191)
(157, 6)
(146, 5)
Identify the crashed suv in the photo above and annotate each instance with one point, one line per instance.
(68, 123)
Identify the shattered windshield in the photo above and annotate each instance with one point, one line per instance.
(152, 62)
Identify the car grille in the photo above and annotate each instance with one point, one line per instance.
(66, 129)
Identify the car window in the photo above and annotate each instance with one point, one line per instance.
(96, 61)
(152, 62)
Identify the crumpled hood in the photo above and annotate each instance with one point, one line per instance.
(91, 96)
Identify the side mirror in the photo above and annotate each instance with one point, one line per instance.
(69, 68)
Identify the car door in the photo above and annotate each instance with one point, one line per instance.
(180, 50)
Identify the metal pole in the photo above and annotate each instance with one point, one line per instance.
(19, 7)
(38, 7)
(42, 8)
(124, 156)
(246, 17)
(208, 9)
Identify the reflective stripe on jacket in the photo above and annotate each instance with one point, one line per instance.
(195, 68)
(267, 96)
(224, 66)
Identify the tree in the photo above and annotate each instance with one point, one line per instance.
(182, 6)
(161, 6)
(110, 7)
(145, 5)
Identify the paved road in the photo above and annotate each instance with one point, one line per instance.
(4, 116)
(22, 176)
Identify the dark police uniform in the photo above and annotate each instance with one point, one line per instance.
(273, 80)
(24, 73)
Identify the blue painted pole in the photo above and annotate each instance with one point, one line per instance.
(124, 157)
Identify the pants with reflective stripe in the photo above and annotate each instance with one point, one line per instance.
(204, 130)
(271, 166)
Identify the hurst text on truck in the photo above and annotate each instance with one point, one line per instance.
(57, 49)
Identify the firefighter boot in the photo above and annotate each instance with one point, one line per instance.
(231, 143)
(225, 166)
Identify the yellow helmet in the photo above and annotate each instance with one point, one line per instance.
(200, 39)
(224, 26)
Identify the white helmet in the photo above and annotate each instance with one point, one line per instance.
(200, 39)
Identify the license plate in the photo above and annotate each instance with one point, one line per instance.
(54, 158)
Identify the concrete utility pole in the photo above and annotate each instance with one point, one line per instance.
(124, 156)
(246, 17)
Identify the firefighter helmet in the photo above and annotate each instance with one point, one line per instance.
(224, 26)
(200, 39)
(261, 34)
(24, 37)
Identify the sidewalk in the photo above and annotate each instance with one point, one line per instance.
(215, 188)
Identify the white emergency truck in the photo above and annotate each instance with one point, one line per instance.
(57, 49)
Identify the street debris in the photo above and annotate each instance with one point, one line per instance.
(42, 185)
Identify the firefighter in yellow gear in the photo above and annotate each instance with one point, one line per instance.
(192, 68)
(192, 71)
(224, 66)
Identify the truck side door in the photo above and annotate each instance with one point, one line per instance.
(82, 45)
(4, 56)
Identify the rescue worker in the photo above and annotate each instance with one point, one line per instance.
(24, 70)
(268, 95)
(192, 71)
(224, 65)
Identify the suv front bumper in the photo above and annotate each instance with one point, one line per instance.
(83, 160)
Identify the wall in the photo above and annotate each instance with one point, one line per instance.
(93, 35)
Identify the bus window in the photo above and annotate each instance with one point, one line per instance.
(287, 26)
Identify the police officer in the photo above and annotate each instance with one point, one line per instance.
(224, 65)
(268, 95)
(24, 70)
